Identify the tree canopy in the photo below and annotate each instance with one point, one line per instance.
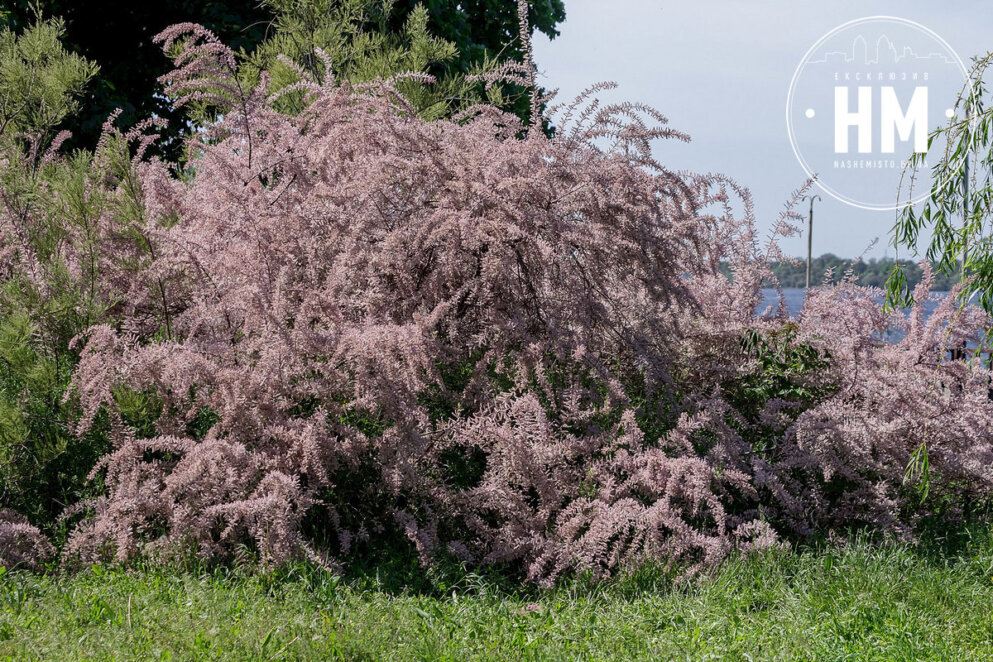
(117, 36)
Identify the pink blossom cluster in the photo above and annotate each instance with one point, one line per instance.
(21, 544)
(514, 350)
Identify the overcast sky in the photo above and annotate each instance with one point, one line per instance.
(721, 69)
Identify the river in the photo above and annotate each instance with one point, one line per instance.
(794, 301)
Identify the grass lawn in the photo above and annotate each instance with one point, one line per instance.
(861, 602)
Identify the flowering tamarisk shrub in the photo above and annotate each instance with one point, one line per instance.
(513, 350)
(21, 544)
(892, 400)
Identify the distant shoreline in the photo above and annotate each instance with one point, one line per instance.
(872, 272)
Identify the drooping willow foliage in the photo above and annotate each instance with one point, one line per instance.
(957, 211)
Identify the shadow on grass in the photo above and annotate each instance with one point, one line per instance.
(395, 570)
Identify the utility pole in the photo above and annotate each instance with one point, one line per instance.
(810, 233)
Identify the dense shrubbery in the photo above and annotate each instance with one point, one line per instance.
(45, 300)
(348, 324)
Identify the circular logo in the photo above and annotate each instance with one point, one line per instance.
(863, 101)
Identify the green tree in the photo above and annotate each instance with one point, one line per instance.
(43, 465)
(117, 34)
(483, 29)
(40, 82)
(486, 31)
(357, 41)
(960, 203)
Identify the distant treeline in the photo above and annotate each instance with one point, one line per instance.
(870, 272)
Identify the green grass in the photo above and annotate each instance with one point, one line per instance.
(862, 602)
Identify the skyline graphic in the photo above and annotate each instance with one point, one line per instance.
(860, 56)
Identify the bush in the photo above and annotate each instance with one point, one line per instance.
(350, 324)
(21, 544)
(45, 203)
(515, 351)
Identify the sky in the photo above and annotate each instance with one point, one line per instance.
(721, 70)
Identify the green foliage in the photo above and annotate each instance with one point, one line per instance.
(956, 213)
(43, 463)
(40, 82)
(784, 370)
(485, 33)
(58, 217)
(139, 410)
(957, 210)
(857, 602)
(130, 63)
(117, 36)
(484, 29)
(360, 44)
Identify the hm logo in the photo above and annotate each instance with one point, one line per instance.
(893, 119)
